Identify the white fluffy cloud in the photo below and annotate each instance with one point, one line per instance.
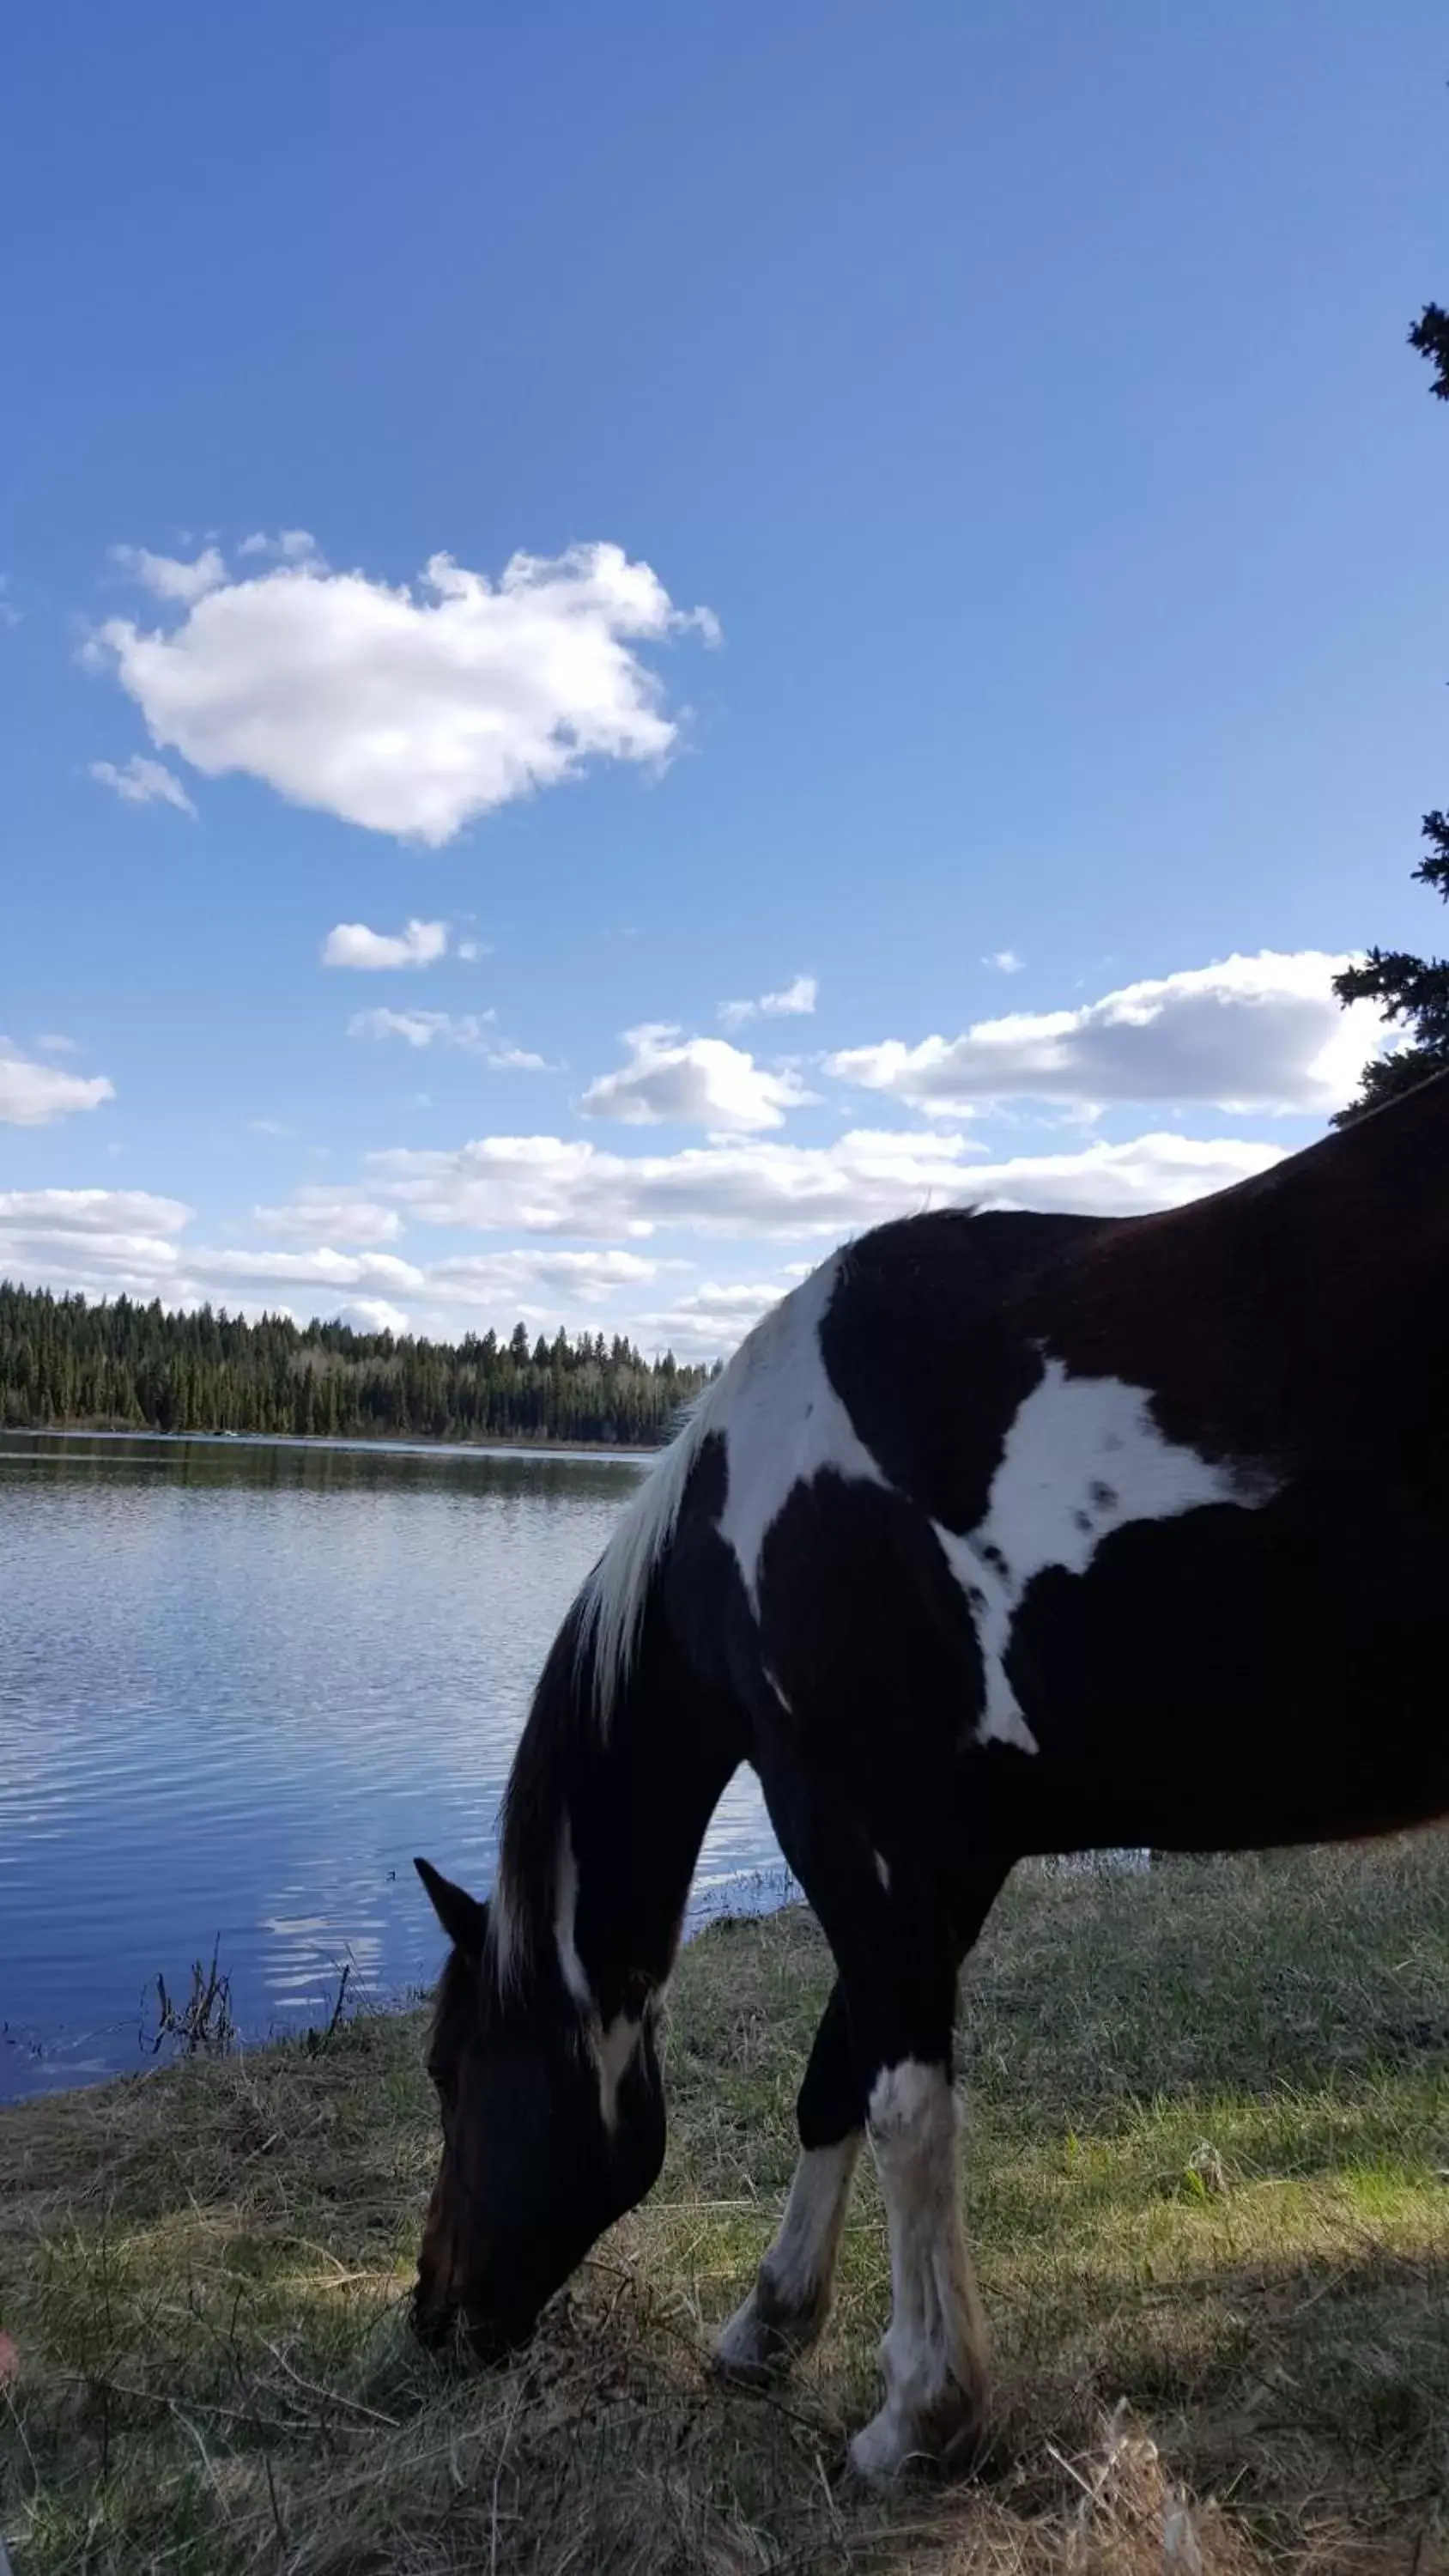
(694, 1082)
(1249, 1034)
(168, 576)
(101, 1241)
(331, 1216)
(708, 1322)
(92, 1212)
(372, 1315)
(143, 782)
(108, 1243)
(404, 709)
(471, 1032)
(319, 1268)
(794, 1000)
(325, 1256)
(32, 1094)
(501, 1281)
(418, 943)
(1005, 961)
(556, 1185)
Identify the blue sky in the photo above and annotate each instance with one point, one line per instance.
(976, 557)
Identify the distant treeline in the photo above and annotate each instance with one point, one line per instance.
(134, 1367)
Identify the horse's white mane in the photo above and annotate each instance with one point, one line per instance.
(611, 1603)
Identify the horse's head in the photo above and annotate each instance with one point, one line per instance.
(547, 2139)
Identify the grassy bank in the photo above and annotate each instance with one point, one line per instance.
(1207, 2184)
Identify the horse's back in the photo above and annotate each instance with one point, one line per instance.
(1074, 1508)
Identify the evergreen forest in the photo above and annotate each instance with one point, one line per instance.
(122, 1365)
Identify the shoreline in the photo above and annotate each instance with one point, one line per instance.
(1204, 2185)
(414, 1442)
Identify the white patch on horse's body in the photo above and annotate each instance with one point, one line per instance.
(565, 1905)
(779, 1694)
(934, 2353)
(784, 1424)
(614, 2051)
(1082, 1458)
(790, 2300)
(993, 1607)
(611, 2049)
(882, 1870)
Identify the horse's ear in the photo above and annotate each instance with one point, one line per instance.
(462, 1917)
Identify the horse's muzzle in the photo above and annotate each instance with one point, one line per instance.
(468, 2341)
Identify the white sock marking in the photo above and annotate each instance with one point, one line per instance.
(790, 2301)
(801, 2262)
(934, 2351)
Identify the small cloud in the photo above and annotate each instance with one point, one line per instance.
(796, 1000)
(290, 545)
(470, 950)
(58, 1046)
(143, 782)
(32, 1095)
(317, 1214)
(420, 943)
(170, 578)
(470, 1032)
(702, 1082)
(512, 1059)
(1005, 961)
(267, 1127)
(374, 1315)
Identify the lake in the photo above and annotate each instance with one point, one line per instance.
(241, 1683)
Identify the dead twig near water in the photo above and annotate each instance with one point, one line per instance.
(204, 2024)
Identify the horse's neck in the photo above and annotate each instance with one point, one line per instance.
(605, 1820)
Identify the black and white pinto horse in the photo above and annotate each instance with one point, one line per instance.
(1003, 1534)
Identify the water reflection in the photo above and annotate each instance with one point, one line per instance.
(241, 1682)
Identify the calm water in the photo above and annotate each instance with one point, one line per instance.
(241, 1683)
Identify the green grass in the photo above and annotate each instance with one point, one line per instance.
(1207, 2183)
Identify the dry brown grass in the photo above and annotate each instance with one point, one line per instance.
(1208, 2185)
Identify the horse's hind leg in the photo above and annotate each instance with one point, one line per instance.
(790, 2301)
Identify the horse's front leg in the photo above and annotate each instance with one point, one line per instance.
(934, 2354)
(898, 1930)
(786, 2309)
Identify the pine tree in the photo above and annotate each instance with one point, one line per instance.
(1412, 992)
